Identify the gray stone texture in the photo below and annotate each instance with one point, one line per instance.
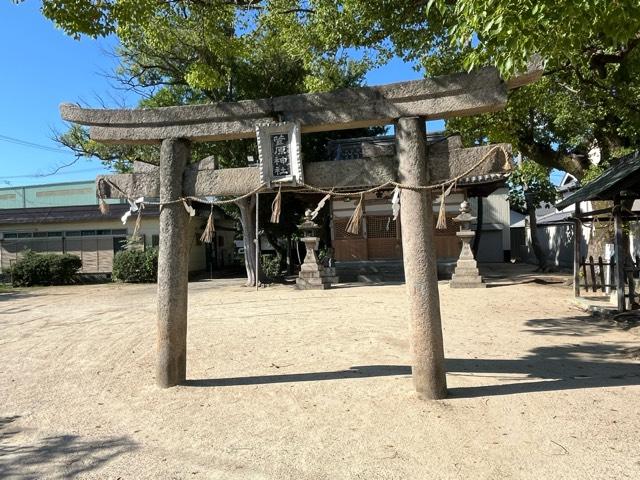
(173, 267)
(420, 268)
(313, 276)
(466, 274)
(446, 160)
(433, 98)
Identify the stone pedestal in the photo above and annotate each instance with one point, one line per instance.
(466, 274)
(314, 276)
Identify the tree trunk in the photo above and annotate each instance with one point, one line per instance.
(535, 243)
(247, 219)
(479, 221)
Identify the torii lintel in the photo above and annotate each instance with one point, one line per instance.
(443, 97)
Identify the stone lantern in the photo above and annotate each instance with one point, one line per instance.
(466, 274)
(313, 276)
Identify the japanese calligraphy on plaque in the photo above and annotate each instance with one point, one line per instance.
(279, 149)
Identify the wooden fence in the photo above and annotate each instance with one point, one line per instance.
(596, 278)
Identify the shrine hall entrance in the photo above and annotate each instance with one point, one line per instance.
(380, 236)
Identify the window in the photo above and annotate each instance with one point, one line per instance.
(88, 233)
(39, 234)
(25, 235)
(10, 235)
(54, 234)
(119, 231)
(72, 234)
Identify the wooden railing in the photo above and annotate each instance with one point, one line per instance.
(596, 272)
(595, 277)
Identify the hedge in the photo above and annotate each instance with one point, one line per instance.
(45, 269)
(136, 266)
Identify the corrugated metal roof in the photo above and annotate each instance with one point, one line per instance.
(624, 175)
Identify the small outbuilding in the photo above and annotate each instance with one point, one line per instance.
(620, 185)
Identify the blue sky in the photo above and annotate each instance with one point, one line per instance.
(42, 67)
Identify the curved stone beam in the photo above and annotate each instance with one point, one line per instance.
(432, 98)
(202, 179)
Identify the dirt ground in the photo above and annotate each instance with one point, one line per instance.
(287, 384)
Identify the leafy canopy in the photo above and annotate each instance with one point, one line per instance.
(529, 187)
(590, 96)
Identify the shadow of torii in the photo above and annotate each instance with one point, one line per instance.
(544, 369)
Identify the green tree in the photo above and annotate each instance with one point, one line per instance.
(529, 188)
(590, 96)
(178, 53)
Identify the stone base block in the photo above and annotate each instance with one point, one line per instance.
(467, 285)
(463, 263)
(466, 281)
(466, 272)
(312, 284)
(306, 267)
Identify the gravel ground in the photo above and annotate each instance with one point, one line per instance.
(287, 384)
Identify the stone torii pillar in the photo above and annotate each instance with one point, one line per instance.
(173, 266)
(407, 103)
(419, 257)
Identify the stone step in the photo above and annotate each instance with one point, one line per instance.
(466, 272)
(466, 278)
(384, 271)
(462, 284)
(314, 284)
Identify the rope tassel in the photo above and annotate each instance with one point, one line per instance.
(276, 206)
(507, 162)
(353, 226)
(209, 230)
(442, 213)
(103, 205)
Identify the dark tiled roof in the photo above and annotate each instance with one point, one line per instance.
(624, 175)
(481, 179)
(76, 213)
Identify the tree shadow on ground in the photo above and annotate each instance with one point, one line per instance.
(62, 456)
(565, 367)
(16, 294)
(576, 326)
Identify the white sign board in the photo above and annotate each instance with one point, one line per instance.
(279, 150)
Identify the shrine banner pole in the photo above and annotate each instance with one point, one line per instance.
(257, 240)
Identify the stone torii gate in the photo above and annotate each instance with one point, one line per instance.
(406, 104)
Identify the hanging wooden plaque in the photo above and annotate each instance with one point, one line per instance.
(279, 150)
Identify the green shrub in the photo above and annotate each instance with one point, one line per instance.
(45, 269)
(271, 266)
(136, 266)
